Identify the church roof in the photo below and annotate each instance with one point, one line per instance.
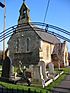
(43, 35)
(46, 36)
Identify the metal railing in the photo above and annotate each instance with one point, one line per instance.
(45, 27)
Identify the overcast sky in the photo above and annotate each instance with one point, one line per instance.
(58, 13)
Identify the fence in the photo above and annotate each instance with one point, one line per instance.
(6, 90)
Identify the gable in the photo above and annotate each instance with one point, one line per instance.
(45, 36)
(24, 6)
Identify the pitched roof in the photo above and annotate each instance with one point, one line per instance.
(46, 36)
(24, 5)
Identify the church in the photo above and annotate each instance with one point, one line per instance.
(32, 45)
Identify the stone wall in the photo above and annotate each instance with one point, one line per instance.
(61, 52)
(21, 54)
(46, 50)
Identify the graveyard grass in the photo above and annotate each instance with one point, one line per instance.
(58, 81)
(22, 87)
(37, 88)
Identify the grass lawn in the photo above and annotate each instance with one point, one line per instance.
(58, 81)
(21, 87)
(37, 88)
(55, 83)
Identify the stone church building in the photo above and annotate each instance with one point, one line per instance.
(33, 45)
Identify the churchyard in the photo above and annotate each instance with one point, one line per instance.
(17, 78)
(37, 86)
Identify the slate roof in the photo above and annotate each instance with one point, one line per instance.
(46, 36)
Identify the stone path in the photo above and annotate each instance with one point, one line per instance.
(64, 87)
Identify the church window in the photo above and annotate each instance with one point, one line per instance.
(24, 13)
(28, 44)
(47, 52)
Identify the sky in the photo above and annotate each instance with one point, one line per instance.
(58, 13)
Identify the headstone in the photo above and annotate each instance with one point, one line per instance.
(51, 68)
(42, 69)
(6, 68)
(36, 72)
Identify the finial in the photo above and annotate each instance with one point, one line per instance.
(23, 1)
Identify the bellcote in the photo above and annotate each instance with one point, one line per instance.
(24, 16)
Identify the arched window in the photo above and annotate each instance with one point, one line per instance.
(24, 14)
(28, 44)
(47, 52)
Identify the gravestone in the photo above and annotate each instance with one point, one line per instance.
(51, 68)
(6, 68)
(42, 69)
(36, 72)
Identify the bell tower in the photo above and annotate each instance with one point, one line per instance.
(24, 16)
